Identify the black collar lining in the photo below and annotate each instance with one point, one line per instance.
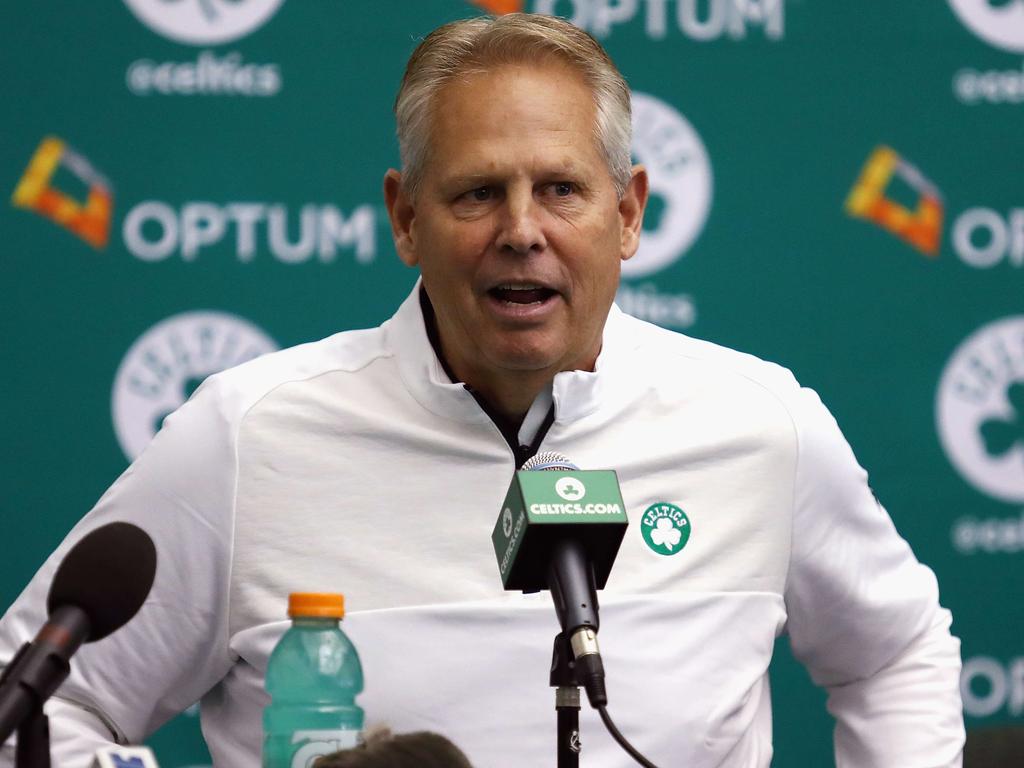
(509, 428)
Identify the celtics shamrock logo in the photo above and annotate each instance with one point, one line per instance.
(665, 528)
(570, 488)
(1001, 435)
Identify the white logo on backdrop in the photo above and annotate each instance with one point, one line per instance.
(701, 20)
(983, 237)
(1002, 27)
(681, 185)
(166, 364)
(209, 75)
(154, 230)
(1001, 688)
(980, 409)
(203, 22)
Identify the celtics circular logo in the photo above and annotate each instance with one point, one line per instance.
(665, 528)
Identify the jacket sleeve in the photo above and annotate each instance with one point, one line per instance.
(123, 687)
(864, 614)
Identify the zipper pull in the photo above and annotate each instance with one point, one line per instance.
(522, 453)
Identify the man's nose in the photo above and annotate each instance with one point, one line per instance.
(521, 229)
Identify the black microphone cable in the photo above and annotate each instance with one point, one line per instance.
(617, 735)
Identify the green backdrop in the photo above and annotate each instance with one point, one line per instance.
(837, 188)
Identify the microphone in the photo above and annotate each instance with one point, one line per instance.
(101, 583)
(562, 533)
(124, 757)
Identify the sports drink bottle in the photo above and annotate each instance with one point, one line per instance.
(313, 677)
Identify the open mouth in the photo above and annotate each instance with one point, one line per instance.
(522, 293)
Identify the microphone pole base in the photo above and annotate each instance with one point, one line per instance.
(567, 702)
(568, 729)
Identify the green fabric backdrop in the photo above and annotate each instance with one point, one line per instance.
(224, 157)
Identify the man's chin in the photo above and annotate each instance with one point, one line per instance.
(525, 360)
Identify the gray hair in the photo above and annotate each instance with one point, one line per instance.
(478, 44)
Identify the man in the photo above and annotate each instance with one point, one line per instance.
(375, 461)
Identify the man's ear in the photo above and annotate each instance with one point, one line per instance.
(631, 210)
(401, 214)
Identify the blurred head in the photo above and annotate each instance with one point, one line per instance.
(516, 200)
(409, 750)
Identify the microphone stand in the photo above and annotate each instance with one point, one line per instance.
(33, 747)
(567, 702)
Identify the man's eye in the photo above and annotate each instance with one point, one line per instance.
(563, 188)
(480, 194)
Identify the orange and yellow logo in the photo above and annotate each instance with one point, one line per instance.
(499, 7)
(922, 226)
(90, 220)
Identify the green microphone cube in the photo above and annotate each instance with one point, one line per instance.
(542, 507)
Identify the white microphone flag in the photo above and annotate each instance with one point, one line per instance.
(124, 757)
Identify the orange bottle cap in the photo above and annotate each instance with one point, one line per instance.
(316, 604)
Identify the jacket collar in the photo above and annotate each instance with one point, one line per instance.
(576, 394)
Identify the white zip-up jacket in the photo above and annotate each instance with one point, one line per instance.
(353, 464)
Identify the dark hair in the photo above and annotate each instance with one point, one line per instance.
(406, 750)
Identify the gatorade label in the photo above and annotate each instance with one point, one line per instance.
(317, 743)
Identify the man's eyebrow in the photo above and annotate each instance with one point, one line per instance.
(466, 180)
(462, 182)
(576, 173)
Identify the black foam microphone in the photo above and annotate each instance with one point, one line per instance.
(101, 583)
(563, 535)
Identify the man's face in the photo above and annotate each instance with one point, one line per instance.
(517, 227)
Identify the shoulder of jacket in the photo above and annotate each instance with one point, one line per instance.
(674, 349)
(234, 391)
